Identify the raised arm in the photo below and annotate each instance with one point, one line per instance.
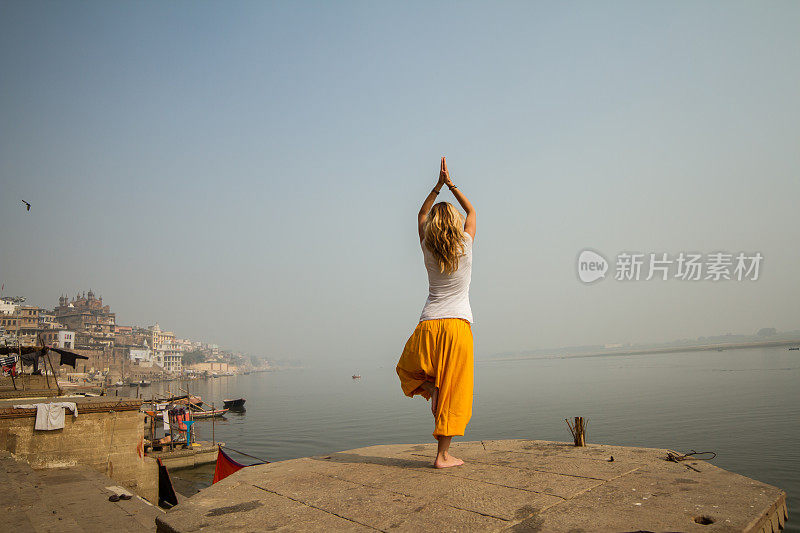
(471, 222)
(422, 216)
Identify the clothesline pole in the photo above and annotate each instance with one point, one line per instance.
(171, 430)
(21, 367)
(58, 387)
(11, 373)
(13, 381)
(46, 377)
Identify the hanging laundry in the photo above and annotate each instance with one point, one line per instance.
(68, 358)
(50, 416)
(225, 466)
(9, 364)
(32, 359)
(166, 493)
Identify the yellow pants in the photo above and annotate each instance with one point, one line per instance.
(440, 351)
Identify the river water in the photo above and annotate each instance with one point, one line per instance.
(742, 404)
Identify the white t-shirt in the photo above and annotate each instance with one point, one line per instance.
(448, 294)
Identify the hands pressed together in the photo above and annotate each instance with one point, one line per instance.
(444, 175)
(444, 179)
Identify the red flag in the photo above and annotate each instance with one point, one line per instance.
(225, 466)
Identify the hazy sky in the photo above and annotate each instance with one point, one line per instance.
(249, 173)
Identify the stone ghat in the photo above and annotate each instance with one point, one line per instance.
(66, 500)
(508, 485)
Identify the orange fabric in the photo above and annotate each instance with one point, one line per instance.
(440, 351)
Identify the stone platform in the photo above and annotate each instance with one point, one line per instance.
(66, 500)
(511, 485)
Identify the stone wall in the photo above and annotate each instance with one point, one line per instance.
(107, 436)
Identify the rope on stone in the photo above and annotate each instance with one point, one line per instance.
(675, 457)
(245, 454)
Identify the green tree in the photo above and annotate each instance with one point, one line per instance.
(190, 358)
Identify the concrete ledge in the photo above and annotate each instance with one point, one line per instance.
(513, 485)
(90, 404)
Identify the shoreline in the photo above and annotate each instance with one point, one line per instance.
(646, 351)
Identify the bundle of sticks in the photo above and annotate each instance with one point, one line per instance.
(578, 430)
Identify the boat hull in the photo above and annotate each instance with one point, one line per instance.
(196, 415)
(234, 404)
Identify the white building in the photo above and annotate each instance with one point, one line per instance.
(169, 357)
(7, 307)
(66, 339)
(59, 338)
(166, 350)
(141, 356)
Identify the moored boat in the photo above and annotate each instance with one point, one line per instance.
(202, 452)
(238, 403)
(217, 413)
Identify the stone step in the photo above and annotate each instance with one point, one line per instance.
(66, 500)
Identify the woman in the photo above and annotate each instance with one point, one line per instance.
(437, 359)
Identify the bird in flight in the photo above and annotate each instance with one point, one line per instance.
(27, 205)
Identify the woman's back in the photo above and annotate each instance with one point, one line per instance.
(448, 294)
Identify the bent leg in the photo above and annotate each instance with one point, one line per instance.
(415, 367)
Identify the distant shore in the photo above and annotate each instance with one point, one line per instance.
(653, 350)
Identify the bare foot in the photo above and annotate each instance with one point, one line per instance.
(434, 400)
(447, 461)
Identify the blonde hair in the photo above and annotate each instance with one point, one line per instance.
(444, 236)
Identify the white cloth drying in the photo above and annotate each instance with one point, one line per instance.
(50, 416)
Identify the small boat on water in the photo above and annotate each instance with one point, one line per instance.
(217, 413)
(234, 405)
(356, 376)
(795, 348)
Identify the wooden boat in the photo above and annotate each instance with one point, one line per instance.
(217, 413)
(238, 403)
(201, 452)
